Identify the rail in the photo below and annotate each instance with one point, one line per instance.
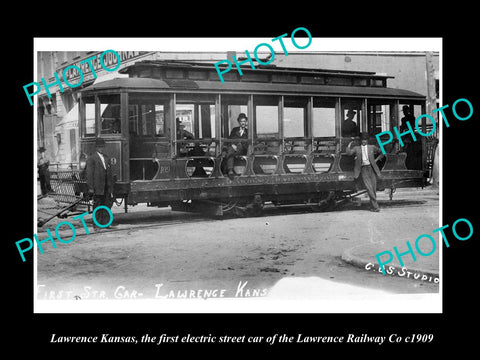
(64, 166)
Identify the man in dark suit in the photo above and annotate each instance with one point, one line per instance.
(182, 134)
(100, 181)
(407, 118)
(366, 167)
(239, 148)
(349, 127)
(43, 172)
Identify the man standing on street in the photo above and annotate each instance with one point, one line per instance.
(365, 165)
(100, 181)
(43, 172)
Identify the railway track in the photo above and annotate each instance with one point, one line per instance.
(148, 219)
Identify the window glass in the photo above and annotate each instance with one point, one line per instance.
(267, 120)
(266, 115)
(232, 106)
(90, 116)
(379, 113)
(323, 117)
(146, 114)
(159, 119)
(196, 113)
(110, 114)
(294, 110)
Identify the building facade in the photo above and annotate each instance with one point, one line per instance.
(57, 120)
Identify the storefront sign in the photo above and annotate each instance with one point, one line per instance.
(110, 60)
(75, 74)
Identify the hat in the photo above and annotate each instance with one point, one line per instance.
(242, 116)
(405, 107)
(99, 142)
(364, 136)
(351, 112)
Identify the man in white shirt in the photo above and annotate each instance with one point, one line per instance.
(366, 166)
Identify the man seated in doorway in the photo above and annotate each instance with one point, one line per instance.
(237, 148)
(349, 127)
(182, 134)
(366, 169)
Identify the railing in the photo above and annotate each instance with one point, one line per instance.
(67, 185)
(67, 192)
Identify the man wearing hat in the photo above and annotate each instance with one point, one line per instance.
(182, 134)
(239, 148)
(366, 167)
(408, 117)
(43, 172)
(349, 127)
(100, 181)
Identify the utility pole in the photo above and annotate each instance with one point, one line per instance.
(432, 142)
(431, 93)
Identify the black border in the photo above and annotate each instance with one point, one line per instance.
(460, 177)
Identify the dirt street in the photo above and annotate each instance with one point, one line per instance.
(149, 258)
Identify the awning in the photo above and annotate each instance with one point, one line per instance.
(70, 120)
